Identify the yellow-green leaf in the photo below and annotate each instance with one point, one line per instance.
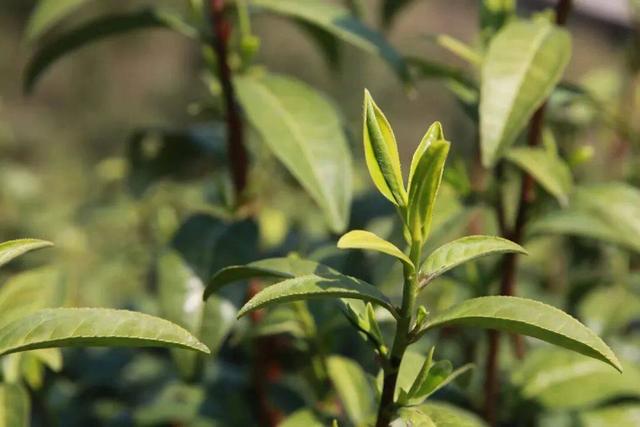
(381, 153)
(14, 406)
(361, 239)
(353, 388)
(14, 248)
(47, 14)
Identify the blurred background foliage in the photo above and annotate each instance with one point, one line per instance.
(115, 158)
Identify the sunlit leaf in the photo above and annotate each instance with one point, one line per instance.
(381, 153)
(302, 128)
(15, 406)
(64, 327)
(14, 248)
(314, 286)
(353, 388)
(410, 417)
(609, 309)
(446, 415)
(341, 23)
(549, 170)
(425, 183)
(463, 250)
(527, 317)
(625, 414)
(524, 62)
(97, 29)
(361, 239)
(302, 417)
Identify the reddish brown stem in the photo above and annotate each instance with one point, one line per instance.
(510, 261)
(236, 150)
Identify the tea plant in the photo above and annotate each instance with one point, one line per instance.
(415, 204)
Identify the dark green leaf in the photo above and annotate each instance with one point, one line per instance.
(527, 317)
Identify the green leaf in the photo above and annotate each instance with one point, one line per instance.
(315, 286)
(549, 170)
(302, 128)
(342, 24)
(524, 62)
(361, 239)
(425, 184)
(551, 376)
(30, 291)
(97, 29)
(527, 317)
(47, 14)
(610, 309)
(14, 248)
(64, 327)
(353, 388)
(180, 298)
(446, 415)
(411, 417)
(609, 212)
(622, 415)
(434, 133)
(463, 250)
(278, 268)
(302, 417)
(15, 406)
(494, 14)
(381, 153)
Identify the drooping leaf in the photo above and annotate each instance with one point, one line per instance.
(625, 414)
(338, 21)
(609, 212)
(425, 184)
(352, 387)
(463, 250)
(302, 128)
(64, 327)
(549, 170)
(381, 153)
(97, 29)
(14, 248)
(47, 14)
(315, 286)
(551, 376)
(180, 297)
(15, 406)
(527, 317)
(446, 415)
(284, 268)
(524, 62)
(361, 239)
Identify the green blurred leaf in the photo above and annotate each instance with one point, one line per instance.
(494, 14)
(341, 23)
(609, 309)
(463, 250)
(14, 248)
(14, 406)
(391, 8)
(446, 415)
(425, 183)
(381, 153)
(609, 212)
(554, 376)
(314, 286)
(47, 14)
(549, 170)
(527, 317)
(175, 404)
(620, 415)
(285, 268)
(361, 239)
(302, 417)
(353, 388)
(180, 298)
(411, 417)
(524, 62)
(97, 29)
(64, 327)
(302, 128)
